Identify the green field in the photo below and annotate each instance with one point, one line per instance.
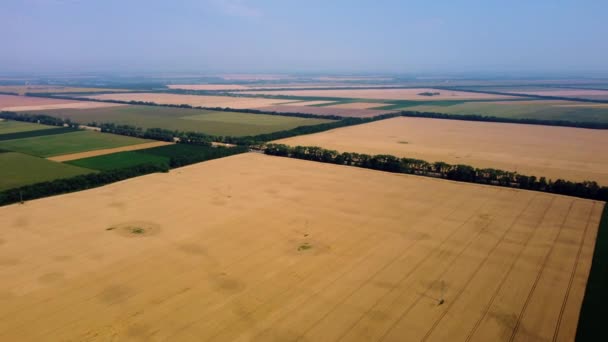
(10, 126)
(22, 169)
(119, 160)
(37, 133)
(183, 119)
(541, 110)
(173, 155)
(80, 141)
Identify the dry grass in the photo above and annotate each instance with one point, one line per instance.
(202, 253)
(387, 94)
(553, 152)
(74, 156)
(193, 100)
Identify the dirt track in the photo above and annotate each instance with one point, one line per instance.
(264, 248)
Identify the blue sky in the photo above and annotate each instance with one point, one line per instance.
(304, 36)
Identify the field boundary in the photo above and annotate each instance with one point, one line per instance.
(37, 133)
(460, 172)
(543, 97)
(389, 106)
(591, 321)
(97, 179)
(95, 153)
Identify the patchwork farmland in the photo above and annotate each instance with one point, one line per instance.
(30, 153)
(183, 119)
(68, 143)
(192, 100)
(27, 103)
(405, 258)
(553, 152)
(539, 109)
(388, 94)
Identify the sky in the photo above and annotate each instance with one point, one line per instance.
(326, 36)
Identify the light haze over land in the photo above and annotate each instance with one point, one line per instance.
(564, 37)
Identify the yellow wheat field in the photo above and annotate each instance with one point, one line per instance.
(259, 248)
(575, 154)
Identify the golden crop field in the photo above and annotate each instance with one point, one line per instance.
(253, 247)
(574, 154)
(193, 100)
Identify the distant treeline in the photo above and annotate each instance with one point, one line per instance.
(484, 118)
(261, 138)
(178, 155)
(36, 133)
(77, 183)
(465, 117)
(462, 173)
(37, 118)
(542, 97)
(185, 154)
(195, 137)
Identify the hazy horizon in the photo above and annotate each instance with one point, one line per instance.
(218, 36)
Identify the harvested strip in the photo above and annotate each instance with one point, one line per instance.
(74, 156)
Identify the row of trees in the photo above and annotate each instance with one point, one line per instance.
(77, 183)
(466, 117)
(37, 118)
(463, 173)
(178, 155)
(543, 97)
(485, 118)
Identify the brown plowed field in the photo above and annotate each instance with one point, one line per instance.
(259, 248)
(554, 152)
